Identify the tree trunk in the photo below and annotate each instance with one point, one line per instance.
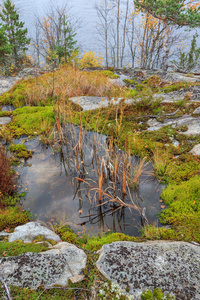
(165, 48)
(118, 22)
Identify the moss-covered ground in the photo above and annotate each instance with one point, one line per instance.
(48, 106)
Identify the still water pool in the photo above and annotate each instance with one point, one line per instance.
(62, 186)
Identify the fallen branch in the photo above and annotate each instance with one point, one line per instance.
(6, 288)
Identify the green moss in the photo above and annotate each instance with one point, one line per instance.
(32, 121)
(95, 243)
(110, 74)
(41, 238)
(17, 248)
(178, 171)
(13, 216)
(11, 200)
(18, 93)
(130, 82)
(183, 211)
(5, 113)
(177, 86)
(20, 150)
(157, 294)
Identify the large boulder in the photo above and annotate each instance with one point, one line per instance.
(136, 267)
(54, 267)
(28, 232)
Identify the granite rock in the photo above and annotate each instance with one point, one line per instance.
(136, 267)
(196, 150)
(192, 123)
(28, 232)
(54, 267)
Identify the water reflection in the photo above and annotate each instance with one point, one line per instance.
(63, 186)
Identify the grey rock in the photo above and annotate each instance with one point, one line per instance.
(197, 111)
(193, 92)
(192, 123)
(5, 120)
(175, 76)
(7, 108)
(196, 150)
(171, 266)
(91, 103)
(168, 98)
(28, 232)
(54, 267)
(3, 234)
(7, 82)
(117, 82)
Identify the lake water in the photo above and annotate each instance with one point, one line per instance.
(81, 10)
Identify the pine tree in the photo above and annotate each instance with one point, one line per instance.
(171, 12)
(14, 30)
(5, 48)
(66, 45)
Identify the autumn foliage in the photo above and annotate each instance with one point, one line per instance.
(7, 179)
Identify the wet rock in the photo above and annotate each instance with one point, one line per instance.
(196, 150)
(91, 103)
(136, 267)
(5, 120)
(192, 123)
(28, 232)
(54, 267)
(197, 111)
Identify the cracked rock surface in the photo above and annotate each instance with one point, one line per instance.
(192, 123)
(54, 267)
(135, 267)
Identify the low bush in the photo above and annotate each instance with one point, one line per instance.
(7, 177)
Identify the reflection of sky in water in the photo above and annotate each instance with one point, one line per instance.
(53, 194)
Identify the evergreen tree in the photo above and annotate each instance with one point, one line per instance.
(14, 30)
(66, 43)
(171, 12)
(5, 48)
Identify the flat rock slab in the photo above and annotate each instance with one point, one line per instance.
(28, 232)
(91, 103)
(169, 98)
(54, 267)
(135, 267)
(175, 77)
(5, 120)
(192, 123)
